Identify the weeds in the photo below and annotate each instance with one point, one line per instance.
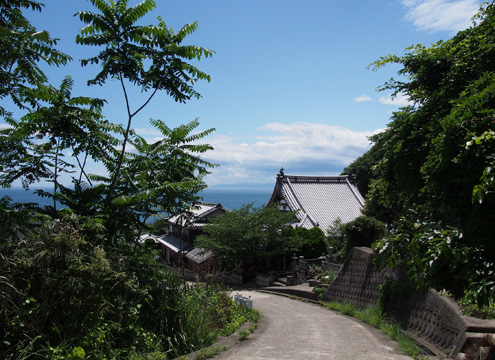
(253, 327)
(327, 276)
(243, 334)
(374, 316)
(210, 352)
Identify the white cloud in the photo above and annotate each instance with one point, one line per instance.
(362, 98)
(313, 148)
(398, 100)
(148, 131)
(441, 15)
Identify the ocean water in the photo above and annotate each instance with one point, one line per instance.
(230, 198)
(233, 199)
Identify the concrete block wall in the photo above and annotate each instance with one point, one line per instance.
(434, 320)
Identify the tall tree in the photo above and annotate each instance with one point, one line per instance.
(426, 173)
(150, 57)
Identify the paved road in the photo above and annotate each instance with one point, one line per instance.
(292, 329)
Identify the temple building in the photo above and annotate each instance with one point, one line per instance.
(319, 200)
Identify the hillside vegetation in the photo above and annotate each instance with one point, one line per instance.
(429, 175)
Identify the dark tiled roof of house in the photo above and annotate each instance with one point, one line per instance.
(169, 240)
(319, 199)
(198, 255)
(199, 213)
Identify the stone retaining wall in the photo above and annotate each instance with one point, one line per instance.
(358, 280)
(432, 319)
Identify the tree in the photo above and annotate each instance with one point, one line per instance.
(64, 123)
(23, 48)
(427, 169)
(81, 262)
(150, 57)
(313, 244)
(248, 236)
(362, 231)
(363, 168)
(164, 176)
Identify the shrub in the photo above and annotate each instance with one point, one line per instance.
(210, 352)
(363, 231)
(312, 241)
(243, 334)
(120, 302)
(326, 276)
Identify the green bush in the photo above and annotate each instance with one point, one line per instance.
(363, 231)
(327, 276)
(319, 290)
(312, 241)
(210, 352)
(243, 334)
(118, 299)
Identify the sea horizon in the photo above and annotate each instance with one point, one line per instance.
(230, 197)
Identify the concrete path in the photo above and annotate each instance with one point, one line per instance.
(292, 329)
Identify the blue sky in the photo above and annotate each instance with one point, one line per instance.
(289, 80)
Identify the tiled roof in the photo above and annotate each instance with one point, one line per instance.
(168, 240)
(319, 199)
(200, 211)
(198, 255)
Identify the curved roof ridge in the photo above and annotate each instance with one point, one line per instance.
(316, 177)
(355, 192)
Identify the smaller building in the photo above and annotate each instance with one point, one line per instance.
(320, 200)
(178, 242)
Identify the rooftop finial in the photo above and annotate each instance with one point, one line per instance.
(281, 172)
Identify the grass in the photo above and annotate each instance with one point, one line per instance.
(210, 352)
(375, 317)
(253, 327)
(243, 334)
(254, 316)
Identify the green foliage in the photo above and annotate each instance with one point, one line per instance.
(346, 309)
(312, 240)
(155, 355)
(209, 352)
(435, 158)
(245, 236)
(33, 148)
(243, 334)
(327, 276)
(150, 57)
(363, 169)
(118, 304)
(253, 327)
(438, 257)
(83, 262)
(374, 316)
(61, 276)
(362, 231)
(159, 226)
(20, 65)
(484, 312)
(319, 290)
(336, 239)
